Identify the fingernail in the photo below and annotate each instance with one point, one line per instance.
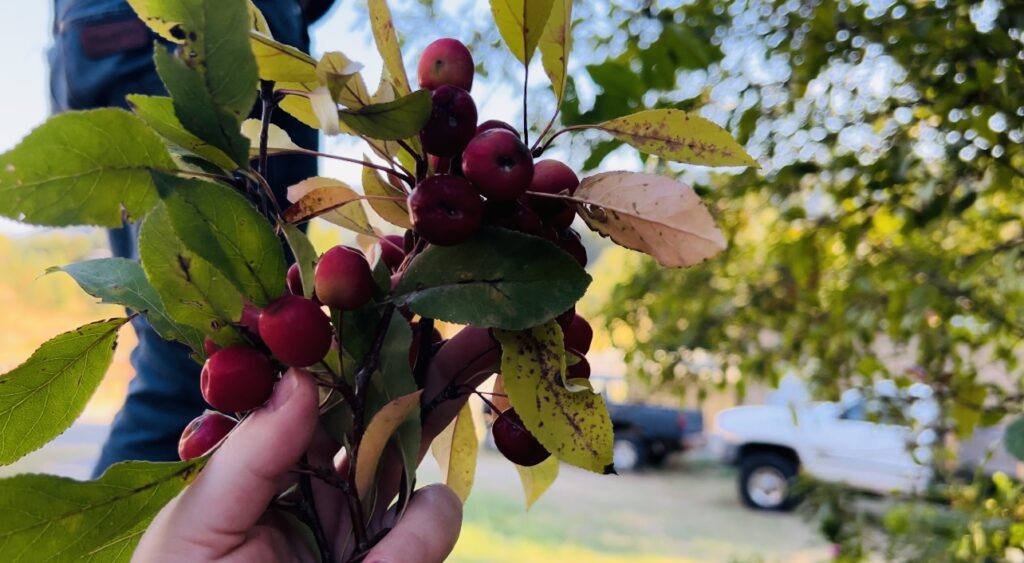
(284, 389)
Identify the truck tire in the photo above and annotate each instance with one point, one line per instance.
(629, 454)
(766, 481)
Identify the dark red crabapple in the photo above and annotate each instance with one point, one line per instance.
(551, 177)
(565, 319)
(203, 433)
(579, 370)
(498, 164)
(296, 330)
(414, 348)
(446, 61)
(563, 218)
(512, 215)
(445, 210)
(441, 164)
(392, 251)
(515, 442)
(237, 379)
(343, 279)
(452, 122)
(495, 124)
(569, 241)
(579, 335)
(294, 280)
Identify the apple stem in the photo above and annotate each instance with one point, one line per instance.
(269, 103)
(526, 80)
(308, 505)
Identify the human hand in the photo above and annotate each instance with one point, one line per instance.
(223, 515)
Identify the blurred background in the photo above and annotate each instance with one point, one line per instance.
(868, 313)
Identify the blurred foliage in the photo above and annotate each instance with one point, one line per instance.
(882, 232)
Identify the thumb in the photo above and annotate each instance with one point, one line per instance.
(237, 485)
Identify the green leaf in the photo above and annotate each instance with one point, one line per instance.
(499, 278)
(555, 45)
(197, 110)
(574, 427)
(537, 479)
(386, 38)
(305, 256)
(390, 121)
(158, 113)
(194, 292)
(521, 24)
(455, 450)
(49, 518)
(222, 227)
(1014, 438)
(122, 282)
(395, 212)
(214, 44)
(82, 168)
(42, 397)
(676, 135)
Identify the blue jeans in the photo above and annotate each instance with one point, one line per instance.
(100, 54)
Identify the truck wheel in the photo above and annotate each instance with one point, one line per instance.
(766, 481)
(627, 454)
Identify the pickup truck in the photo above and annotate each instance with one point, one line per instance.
(646, 434)
(836, 443)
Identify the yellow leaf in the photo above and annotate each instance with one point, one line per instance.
(378, 433)
(455, 450)
(537, 479)
(521, 23)
(335, 70)
(329, 199)
(676, 135)
(652, 214)
(278, 140)
(280, 62)
(326, 111)
(392, 211)
(575, 427)
(387, 44)
(555, 45)
(258, 21)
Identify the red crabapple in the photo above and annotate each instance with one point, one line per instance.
(237, 379)
(452, 122)
(446, 61)
(498, 164)
(203, 433)
(445, 210)
(343, 279)
(515, 442)
(296, 330)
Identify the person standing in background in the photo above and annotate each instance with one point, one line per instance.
(102, 52)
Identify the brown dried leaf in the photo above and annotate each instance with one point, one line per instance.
(329, 199)
(652, 214)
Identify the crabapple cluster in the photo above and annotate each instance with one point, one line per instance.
(291, 331)
(485, 174)
(482, 173)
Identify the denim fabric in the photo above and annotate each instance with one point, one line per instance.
(164, 394)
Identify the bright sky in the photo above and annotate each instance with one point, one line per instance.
(24, 98)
